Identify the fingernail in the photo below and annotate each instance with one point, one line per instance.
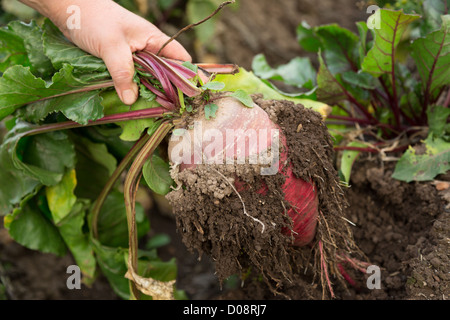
(128, 96)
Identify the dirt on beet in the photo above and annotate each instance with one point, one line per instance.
(243, 231)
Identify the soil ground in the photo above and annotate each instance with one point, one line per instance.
(402, 228)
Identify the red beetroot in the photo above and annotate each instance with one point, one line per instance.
(232, 116)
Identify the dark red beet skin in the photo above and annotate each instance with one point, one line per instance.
(303, 198)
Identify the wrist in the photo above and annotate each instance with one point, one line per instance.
(56, 11)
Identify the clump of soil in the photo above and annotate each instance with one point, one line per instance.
(243, 231)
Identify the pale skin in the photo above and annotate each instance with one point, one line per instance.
(112, 33)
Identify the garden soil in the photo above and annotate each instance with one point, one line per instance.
(402, 228)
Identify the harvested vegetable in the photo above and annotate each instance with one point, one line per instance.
(262, 203)
(246, 218)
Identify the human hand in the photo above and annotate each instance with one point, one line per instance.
(112, 33)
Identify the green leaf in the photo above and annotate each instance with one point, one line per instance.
(329, 89)
(61, 197)
(248, 81)
(424, 162)
(432, 57)
(145, 93)
(348, 158)
(93, 168)
(156, 173)
(31, 34)
(438, 120)
(433, 11)
(150, 266)
(79, 107)
(362, 30)
(44, 157)
(297, 72)
(158, 241)
(15, 184)
(9, 218)
(190, 66)
(110, 137)
(78, 242)
(61, 51)
(210, 110)
(213, 85)
(243, 97)
(360, 79)
(112, 263)
(19, 86)
(33, 230)
(339, 46)
(262, 69)
(152, 129)
(112, 222)
(158, 270)
(133, 129)
(305, 95)
(307, 38)
(12, 50)
(380, 58)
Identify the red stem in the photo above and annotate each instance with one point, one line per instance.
(103, 85)
(395, 107)
(324, 268)
(347, 276)
(350, 119)
(430, 80)
(370, 150)
(393, 103)
(361, 149)
(360, 121)
(357, 104)
(113, 118)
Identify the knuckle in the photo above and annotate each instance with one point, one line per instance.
(156, 41)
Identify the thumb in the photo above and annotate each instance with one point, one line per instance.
(119, 61)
